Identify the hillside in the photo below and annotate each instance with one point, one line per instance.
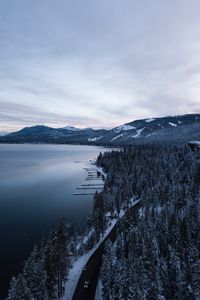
(166, 129)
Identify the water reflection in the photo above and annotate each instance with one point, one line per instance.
(37, 183)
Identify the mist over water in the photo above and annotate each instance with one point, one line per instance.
(37, 183)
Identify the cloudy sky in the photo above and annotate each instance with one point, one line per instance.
(97, 63)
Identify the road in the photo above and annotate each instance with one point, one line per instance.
(92, 271)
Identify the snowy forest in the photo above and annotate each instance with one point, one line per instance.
(156, 252)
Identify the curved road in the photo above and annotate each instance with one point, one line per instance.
(92, 270)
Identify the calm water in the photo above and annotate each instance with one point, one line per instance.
(37, 183)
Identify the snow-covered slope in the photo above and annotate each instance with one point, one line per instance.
(124, 128)
(153, 129)
(94, 139)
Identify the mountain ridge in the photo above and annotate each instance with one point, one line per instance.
(167, 128)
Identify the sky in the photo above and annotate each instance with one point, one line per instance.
(97, 63)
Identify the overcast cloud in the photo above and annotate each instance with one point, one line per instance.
(97, 63)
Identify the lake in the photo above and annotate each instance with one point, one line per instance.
(37, 183)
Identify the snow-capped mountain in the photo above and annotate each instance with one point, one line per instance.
(3, 133)
(169, 128)
(153, 129)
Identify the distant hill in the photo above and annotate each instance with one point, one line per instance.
(166, 129)
(44, 134)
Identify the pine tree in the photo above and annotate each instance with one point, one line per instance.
(107, 271)
(12, 289)
(22, 291)
(194, 269)
(61, 254)
(50, 267)
(98, 214)
(38, 284)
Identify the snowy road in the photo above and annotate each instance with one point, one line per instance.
(87, 283)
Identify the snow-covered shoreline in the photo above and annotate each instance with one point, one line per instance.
(93, 166)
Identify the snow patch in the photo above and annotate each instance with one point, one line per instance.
(150, 134)
(141, 212)
(117, 137)
(124, 128)
(149, 120)
(172, 124)
(94, 139)
(137, 135)
(92, 165)
(87, 237)
(197, 143)
(98, 294)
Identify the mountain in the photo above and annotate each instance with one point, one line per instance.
(169, 128)
(45, 134)
(166, 129)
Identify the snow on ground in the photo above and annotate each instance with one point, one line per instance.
(117, 137)
(150, 134)
(92, 165)
(172, 124)
(98, 295)
(137, 135)
(195, 143)
(78, 265)
(141, 212)
(149, 120)
(95, 139)
(124, 128)
(87, 237)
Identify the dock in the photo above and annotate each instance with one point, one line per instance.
(93, 184)
(83, 194)
(89, 188)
